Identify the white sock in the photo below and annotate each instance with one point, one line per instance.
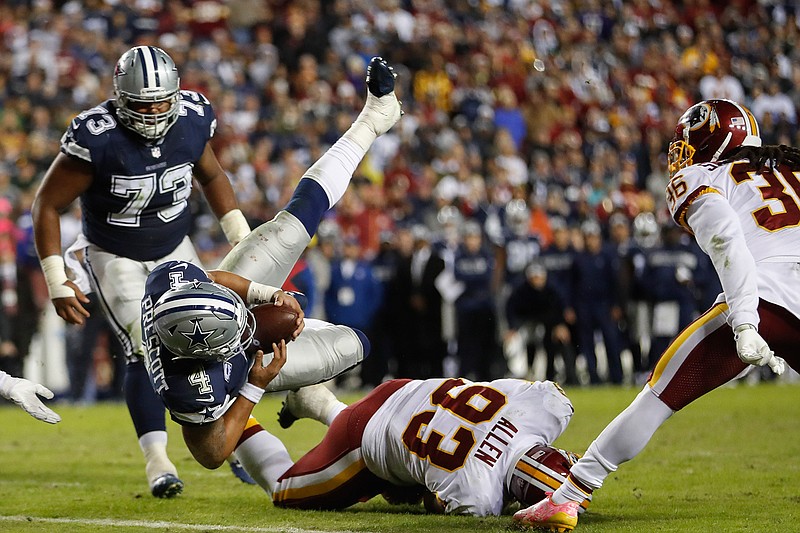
(154, 448)
(568, 491)
(334, 411)
(622, 439)
(335, 167)
(265, 458)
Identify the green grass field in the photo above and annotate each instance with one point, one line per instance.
(730, 462)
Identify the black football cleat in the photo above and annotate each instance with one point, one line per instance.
(167, 486)
(380, 77)
(285, 416)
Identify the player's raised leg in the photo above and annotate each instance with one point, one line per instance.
(268, 253)
(321, 352)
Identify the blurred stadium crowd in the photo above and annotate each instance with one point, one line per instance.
(530, 164)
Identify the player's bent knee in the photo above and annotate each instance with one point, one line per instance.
(291, 231)
(347, 347)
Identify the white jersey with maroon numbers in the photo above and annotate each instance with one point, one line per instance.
(461, 439)
(765, 206)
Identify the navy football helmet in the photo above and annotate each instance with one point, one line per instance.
(203, 320)
(146, 75)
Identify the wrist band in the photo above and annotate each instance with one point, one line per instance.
(234, 226)
(258, 293)
(55, 276)
(251, 392)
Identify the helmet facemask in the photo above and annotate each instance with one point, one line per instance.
(679, 156)
(146, 75)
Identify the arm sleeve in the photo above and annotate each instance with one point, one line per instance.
(719, 234)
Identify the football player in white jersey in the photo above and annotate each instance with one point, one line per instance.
(462, 447)
(742, 203)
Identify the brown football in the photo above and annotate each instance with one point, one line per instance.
(273, 323)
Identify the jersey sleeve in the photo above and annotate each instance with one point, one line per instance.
(719, 234)
(196, 394)
(197, 108)
(684, 188)
(469, 500)
(85, 129)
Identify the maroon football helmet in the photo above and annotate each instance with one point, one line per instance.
(709, 130)
(541, 469)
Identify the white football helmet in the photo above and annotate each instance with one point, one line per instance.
(146, 74)
(203, 320)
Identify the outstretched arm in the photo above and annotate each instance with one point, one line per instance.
(211, 444)
(253, 293)
(26, 394)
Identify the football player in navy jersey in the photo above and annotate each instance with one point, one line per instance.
(131, 160)
(197, 325)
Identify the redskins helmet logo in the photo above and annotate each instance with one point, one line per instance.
(699, 115)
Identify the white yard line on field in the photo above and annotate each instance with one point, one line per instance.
(158, 524)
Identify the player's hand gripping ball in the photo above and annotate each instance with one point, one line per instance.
(273, 323)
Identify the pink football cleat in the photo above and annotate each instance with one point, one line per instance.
(547, 516)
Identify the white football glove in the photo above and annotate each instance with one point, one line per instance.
(24, 393)
(754, 350)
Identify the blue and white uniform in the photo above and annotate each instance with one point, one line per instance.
(135, 212)
(137, 205)
(199, 392)
(195, 391)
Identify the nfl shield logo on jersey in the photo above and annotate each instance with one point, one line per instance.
(155, 151)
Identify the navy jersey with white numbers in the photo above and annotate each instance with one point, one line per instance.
(137, 204)
(194, 391)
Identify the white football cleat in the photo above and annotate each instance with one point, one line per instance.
(382, 109)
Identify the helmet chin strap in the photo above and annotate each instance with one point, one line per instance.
(722, 147)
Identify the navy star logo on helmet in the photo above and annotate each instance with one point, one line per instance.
(198, 337)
